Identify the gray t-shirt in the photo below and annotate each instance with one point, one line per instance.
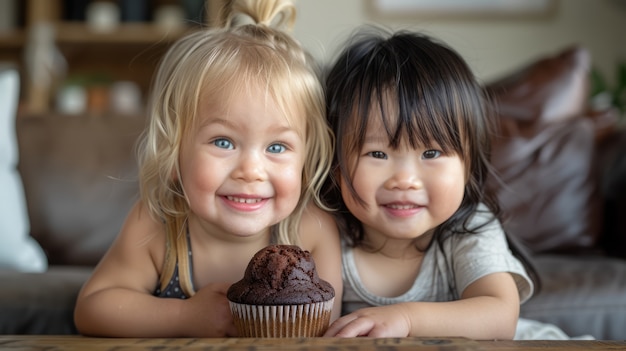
(444, 274)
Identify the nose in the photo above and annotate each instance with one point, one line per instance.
(250, 167)
(405, 176)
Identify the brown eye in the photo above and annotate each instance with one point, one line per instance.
(378, 154)
(430, 154)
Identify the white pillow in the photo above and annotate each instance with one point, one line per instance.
(18, 250)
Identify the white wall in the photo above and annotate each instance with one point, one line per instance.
(492, 47)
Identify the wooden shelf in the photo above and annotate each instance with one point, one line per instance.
(79, 33)
(136, 33)
(128, 52)
(12, 40)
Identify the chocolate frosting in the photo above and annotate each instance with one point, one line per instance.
(281, 275)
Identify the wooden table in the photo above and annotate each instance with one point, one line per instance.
(70, 343)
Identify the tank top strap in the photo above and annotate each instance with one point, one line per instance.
(177, 271)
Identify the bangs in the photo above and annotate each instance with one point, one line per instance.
(421, 112)
(415, 119)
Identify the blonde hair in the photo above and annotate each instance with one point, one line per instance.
(203, 65)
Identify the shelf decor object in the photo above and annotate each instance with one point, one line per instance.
(462, 9)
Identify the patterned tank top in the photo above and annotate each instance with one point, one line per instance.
(173, 288)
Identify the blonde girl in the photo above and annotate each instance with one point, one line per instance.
(232, 160)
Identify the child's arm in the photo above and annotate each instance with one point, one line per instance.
(117, 300)
(319, 235)
(488, 309)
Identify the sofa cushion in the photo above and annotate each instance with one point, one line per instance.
(549, 194)
(18, 250)
(544, 155)
(581, 294)
(551, 89)
(80, 180)
(40, 303)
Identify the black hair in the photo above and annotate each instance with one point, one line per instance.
(426, 93)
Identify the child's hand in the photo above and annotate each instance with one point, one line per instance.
(209, 312)
(384, 321)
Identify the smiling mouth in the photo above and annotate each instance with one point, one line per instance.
(244, 200)
(401, 206)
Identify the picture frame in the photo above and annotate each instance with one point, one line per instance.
(462, 9)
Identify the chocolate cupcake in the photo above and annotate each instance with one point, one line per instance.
(281, 295)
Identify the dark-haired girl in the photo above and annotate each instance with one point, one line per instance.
(424, 253)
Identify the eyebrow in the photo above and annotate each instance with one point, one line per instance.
(221, 121)
(229, 124)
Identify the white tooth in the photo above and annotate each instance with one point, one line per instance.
(401, 207)
(240, 200)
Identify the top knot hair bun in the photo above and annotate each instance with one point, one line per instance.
(280, 14)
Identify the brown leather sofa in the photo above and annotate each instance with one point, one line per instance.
(79, 175)
(562, 183)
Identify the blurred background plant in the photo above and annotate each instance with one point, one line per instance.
(604, 95)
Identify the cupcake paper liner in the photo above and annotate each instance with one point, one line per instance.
(282, 321)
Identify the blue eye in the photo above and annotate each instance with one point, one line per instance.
(378, 154)
(276, 148)
(223, 144)
(430, 154)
